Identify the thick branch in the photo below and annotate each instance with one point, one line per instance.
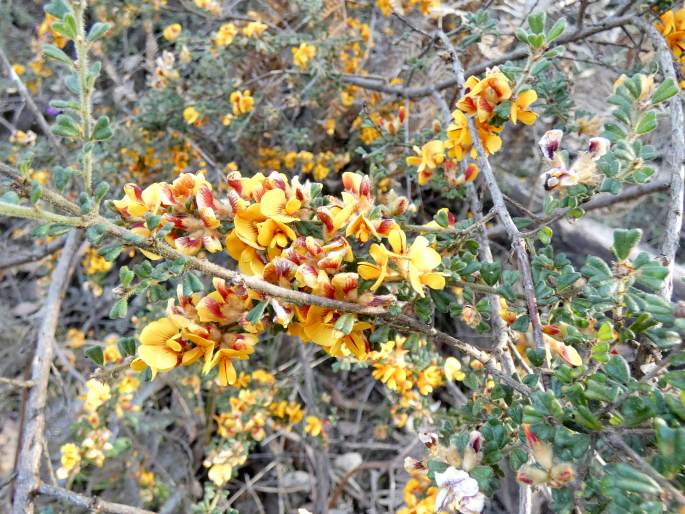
(674, 219)
(233, 277)
(28, 463)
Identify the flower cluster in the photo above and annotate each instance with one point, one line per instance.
(263, 217)
(490, 102)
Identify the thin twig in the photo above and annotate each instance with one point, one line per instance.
(16, 382)
(520, 53)
(92, 503)
(618, 442)
(518, 243)
(32, 105)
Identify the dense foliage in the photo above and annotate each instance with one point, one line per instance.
(269, 206)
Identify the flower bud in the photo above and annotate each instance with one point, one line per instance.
(561, 475)
(530, 474)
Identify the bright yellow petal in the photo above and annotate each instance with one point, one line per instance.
(158, 357)
(433, 280)
(158, 332)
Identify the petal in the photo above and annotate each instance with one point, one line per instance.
(158, 332)
(158, 357)
(433, 280)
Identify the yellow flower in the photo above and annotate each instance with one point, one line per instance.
(329, 126)
(672, 27)
(295, 412)
(415, 263)
(484, 95)
(242, 102)
(236, 346)
(227, 120)
(111, 352)
(428, 379)
(313, 426)
(190, 115)
(303, 54)
(254, 29)
(459, 141)
(19, 69)
(263, 377)
(520, 108)
(428, 157)
(276, 206)
(452, 369)
(97, 393)
(19, 137)
(224, 36)
(171, 32)
(70, 459)
(160, 348)
(136, 201)
(76, 338)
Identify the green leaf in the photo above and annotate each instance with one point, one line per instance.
(127, 346)
(606, 332)
(100, 191)
(97, 31)
(676, 378)
(522, 35)
(67, 27)
(617, 368)
(536, 356)
(256, 313)
(66, 126)
(345, 323)
(55, 53)
(613, 132)
(585, 417)
(666, 90)
(102, 129)
(624, 242)
(491, 272)
(521, 324)
(95, 354)
(540, 66)
(631, 479)
(536, 40)
(126, 276)
(57, 8)
(536, 22)
(442, 218)
(110, 253)
(36, 192)
(646, 124)
(119, 309)
(545, 235)
(557, 30)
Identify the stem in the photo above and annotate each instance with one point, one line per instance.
(85, 92)
(34, 213)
